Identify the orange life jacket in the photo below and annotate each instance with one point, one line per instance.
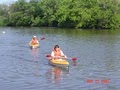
(57, 53)
(34, 41)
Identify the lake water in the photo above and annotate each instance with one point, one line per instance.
(97, 66)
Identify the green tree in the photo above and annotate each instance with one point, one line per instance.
(96, 14)
(3, 14)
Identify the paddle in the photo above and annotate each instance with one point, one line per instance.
(48, 55)
(42, 38)
(74, 59)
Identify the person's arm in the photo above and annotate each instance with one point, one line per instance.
(30, 42)
(62, 54)
(37, 41)
(52, 54)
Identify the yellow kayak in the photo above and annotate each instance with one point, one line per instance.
(59, 62)
(34, 46)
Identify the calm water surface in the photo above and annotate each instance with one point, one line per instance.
(97, 52)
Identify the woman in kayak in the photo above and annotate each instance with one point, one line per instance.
(34, 41)
(57, 53)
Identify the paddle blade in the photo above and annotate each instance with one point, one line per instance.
(74, 59)
(48, 55)
(42, 38)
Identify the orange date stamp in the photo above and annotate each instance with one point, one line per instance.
(97, 81)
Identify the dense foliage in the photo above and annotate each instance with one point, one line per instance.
(95, 14)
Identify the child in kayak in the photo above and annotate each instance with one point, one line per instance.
(57, 53)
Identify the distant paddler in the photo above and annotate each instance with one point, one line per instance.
(34, 43)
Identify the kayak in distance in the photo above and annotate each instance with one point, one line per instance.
(33, 46)
(34, 43)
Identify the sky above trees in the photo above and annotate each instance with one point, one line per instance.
(7, 1)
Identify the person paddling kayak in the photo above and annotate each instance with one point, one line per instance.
(57, 53)
(34, 41)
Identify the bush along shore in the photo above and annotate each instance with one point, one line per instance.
(86, 14)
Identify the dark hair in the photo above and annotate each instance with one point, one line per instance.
(56, 46)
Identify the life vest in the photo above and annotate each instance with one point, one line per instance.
(57, 53)
(34, 41)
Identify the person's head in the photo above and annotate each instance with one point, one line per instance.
(56, 47)
(34, 37)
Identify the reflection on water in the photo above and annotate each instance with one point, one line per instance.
(56, 74)
(35, 53)
(74, 63)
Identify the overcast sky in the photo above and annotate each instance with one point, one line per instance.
(7, 1)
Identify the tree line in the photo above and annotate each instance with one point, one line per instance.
(86, 14)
